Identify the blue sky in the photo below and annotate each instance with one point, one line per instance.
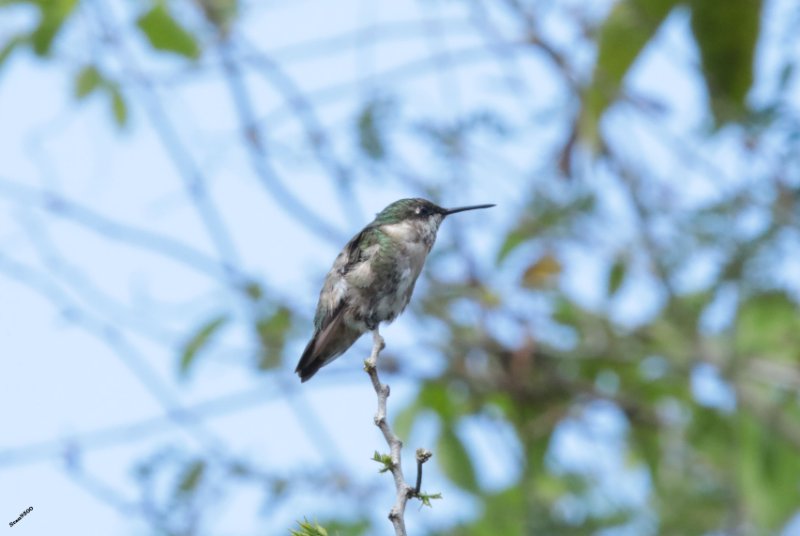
(62, 380)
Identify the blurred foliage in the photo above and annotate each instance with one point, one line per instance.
(273, 330)
(726, 34)
(306, 528)
(371, 126)
(334, 528)
(90, 80)
(165, 33)
(221, 14)
(712, 467)
(199, 340)
(630, 26)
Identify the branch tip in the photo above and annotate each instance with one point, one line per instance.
(423, 455)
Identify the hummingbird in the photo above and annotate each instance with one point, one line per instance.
(372, 279)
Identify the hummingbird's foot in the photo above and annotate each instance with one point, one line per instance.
(377, 340)
(377, 345)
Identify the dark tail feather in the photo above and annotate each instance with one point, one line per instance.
(308, 365)
(325, 346)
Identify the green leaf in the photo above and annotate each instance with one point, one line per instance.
(624, 34)
(504, 513)
(347, 528)
(90, 80)
(272, 332)
(455, 461)
(543, 272)
(371, 125)
(426, 498)
(768, 325)
(547, 217)
(53, 15)
(383, 459)
(87, 81)
(254, 291)
(726, 32)
(515, 239)
(191, 477)
(616, 276)
(405, 419)
(199, 340)
(435, 396)
(566, 312)
(767, 468)
(165, 33)
(644, 445)
(118, 106)
(8, 48)
(307, 528)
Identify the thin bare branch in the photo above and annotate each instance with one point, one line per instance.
(316, 135)
(259, 156)
(158, 243)
(122, 348)
(404, 491)
(129, 432)
(393, 76)
(194, 182)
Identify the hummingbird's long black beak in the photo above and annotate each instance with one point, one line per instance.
(449, 211)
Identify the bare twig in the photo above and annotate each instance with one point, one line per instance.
(423, 456)
(112, 436)
(318, 138)
(115, 339)
(259, 155)
(194, 180)
(158, 243)
(404, 491)
(395, 444)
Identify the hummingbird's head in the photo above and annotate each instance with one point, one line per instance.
(418, 209)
